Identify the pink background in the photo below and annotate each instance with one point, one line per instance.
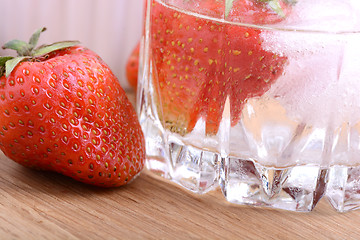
(111, 28)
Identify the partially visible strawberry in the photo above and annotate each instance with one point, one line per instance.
(251, 70)
(63, 110)
(132, 67)
(200, 63)
(186, 58)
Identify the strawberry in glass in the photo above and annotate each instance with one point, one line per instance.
(203, 60)
(259, 97)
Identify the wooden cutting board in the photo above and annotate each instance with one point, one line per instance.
(42, 205)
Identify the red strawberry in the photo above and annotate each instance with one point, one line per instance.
(63, 110)
(132, 67)
(184, 62)
(199, 63)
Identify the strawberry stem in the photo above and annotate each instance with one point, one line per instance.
(26, 51)
(53, 47)
(22, 48)
(12, 63)
(275, 6)
(35, 37)
(3, 61)
(228, 7)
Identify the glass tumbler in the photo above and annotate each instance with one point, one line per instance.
(260, 98)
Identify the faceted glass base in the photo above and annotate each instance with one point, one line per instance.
(343, 189)
(245, 182)
(266, 127)
(192, 168)
(296, 188)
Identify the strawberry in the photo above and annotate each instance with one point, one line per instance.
(183, 62)
(199, 63)
(132, 67)
(63, 110)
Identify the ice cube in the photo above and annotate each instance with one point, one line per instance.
(320, 84)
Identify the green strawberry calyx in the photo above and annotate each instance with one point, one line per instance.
(273, 4)
(228, 7)
(27, 51)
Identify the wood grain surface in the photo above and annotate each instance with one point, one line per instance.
(43, 205)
